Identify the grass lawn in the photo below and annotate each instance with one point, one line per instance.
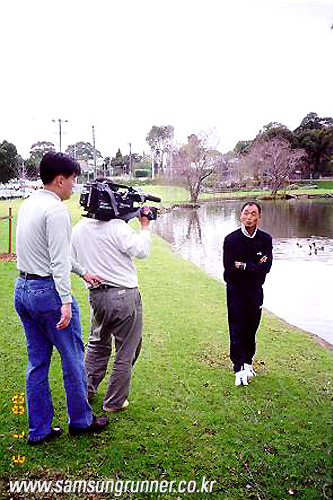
(186, 420)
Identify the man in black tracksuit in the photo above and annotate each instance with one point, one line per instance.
(247, 258)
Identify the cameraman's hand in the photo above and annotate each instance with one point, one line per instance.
(66, 316)
(144, 221)
(92, 279)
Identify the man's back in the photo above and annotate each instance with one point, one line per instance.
(106, 247)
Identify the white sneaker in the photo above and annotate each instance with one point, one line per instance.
(250, 371)
(117, 408)
(241, 378)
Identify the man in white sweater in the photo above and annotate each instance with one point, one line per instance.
(107, 248)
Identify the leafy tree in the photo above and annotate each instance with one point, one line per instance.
(273, 161)
(193, 162)
(9, 161)
(242, 147)
(118, 163)
(118, 159)
(105, 166)
(270, 126)
(107, 161)
(37, 151)
(82, 151)
(276, 130)
(313, 121)
(315, 135)
(160, 141)
(134, 158)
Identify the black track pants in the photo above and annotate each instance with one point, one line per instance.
(244, 313)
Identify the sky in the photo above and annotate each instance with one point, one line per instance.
(222, 66)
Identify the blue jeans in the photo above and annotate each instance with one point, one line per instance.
(38, 304)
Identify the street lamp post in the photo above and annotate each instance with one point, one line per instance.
(60, 121)
(130, 158)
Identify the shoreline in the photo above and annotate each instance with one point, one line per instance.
(319, 340)
(286, 197)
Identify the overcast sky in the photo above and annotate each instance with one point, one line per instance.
(123, 66)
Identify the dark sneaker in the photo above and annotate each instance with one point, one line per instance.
(54, 434)
(97, 425)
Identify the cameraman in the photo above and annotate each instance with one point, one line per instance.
(107, 248)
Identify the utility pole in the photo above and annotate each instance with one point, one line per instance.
(60, 121)
(94, 146)
(130, 156)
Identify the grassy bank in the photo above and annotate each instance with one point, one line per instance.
(186, 420)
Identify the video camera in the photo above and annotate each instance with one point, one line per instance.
(105, 200)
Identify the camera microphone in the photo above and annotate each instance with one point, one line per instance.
(150, 197)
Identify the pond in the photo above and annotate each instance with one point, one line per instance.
(299, 287)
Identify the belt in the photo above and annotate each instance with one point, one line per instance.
(103, 287)
(28, 276)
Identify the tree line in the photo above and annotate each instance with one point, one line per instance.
(314, 136)
(271, 159)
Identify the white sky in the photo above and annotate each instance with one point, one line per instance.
(125, 65)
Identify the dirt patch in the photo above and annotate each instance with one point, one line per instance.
(213, 357)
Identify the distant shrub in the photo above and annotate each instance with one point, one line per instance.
(142, 172)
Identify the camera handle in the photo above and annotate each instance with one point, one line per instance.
(113, 200)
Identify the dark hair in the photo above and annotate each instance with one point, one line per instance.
(252, 203)
(54, 164)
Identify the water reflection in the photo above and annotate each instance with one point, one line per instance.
(300, 285)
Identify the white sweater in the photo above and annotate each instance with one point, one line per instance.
(106, 248)
(43, 237)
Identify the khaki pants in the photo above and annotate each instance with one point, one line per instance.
(117, 313)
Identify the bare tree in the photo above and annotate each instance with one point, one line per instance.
(273, 161)
(193, 162)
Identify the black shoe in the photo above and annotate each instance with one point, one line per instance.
(97, 425)
(54, 434)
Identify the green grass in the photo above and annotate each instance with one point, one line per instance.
(234, 194)
(326, 185)
(186, 419)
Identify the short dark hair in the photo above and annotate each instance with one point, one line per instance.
(53, 164)
(252, 203)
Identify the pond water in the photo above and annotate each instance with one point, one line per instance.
(299, 287)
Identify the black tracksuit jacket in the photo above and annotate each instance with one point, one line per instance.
(238, 247)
